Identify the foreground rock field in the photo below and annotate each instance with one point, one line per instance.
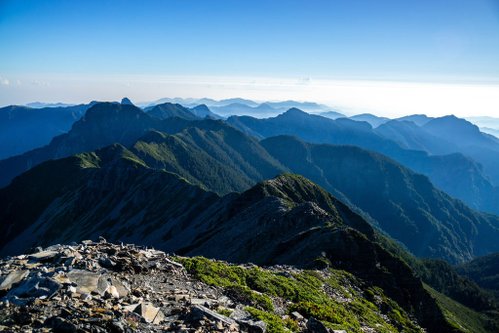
(104, 287)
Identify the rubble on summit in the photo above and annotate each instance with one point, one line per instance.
(103, 287)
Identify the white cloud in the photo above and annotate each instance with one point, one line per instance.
(4, 81)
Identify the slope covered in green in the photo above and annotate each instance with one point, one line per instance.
(218, 158)
(103, 124)
(335, 297)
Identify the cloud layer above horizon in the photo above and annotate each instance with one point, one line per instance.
(386, 98)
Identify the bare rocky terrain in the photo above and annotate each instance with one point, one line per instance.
(102, 287)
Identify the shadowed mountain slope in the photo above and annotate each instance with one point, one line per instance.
(405, 204)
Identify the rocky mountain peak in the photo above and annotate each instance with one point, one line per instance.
(126, 101)
(294, 112)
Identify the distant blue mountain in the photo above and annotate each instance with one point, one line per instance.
(126, 100)
(469, 140)
(262, 110)
(202, 111)
(418, 119)
(39, 105)
(372, 119)
(485, 122)
(24, 128)
(446, 135)
(241, 106)
(229, 101)
(411, 136)
(170, 110)
(332, 114)
(306, 106)
(491, 131)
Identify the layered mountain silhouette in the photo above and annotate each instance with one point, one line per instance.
(332, 114)
(446, 135)
(488, 125)
(372, 119)
(222, 159)
(411, 136)
(212, 155)
(262, 110)
(202, 111)
(456, 174)
(418, 119)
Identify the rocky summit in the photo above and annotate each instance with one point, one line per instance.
(102, 287)
(105, 287)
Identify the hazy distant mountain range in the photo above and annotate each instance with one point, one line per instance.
(184, 178)
(240, 106)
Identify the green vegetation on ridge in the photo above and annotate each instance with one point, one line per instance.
(335, 297)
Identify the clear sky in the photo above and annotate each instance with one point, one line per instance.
(384, 56)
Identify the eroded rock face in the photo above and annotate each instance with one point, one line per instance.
(103, 287)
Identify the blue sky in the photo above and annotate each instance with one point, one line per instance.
(109, 47)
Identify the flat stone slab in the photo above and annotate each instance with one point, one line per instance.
(43, 255)
(199, 310)
(121, 288)
(36, 287)
(149, 312)
(13, 278)
(88, 282)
